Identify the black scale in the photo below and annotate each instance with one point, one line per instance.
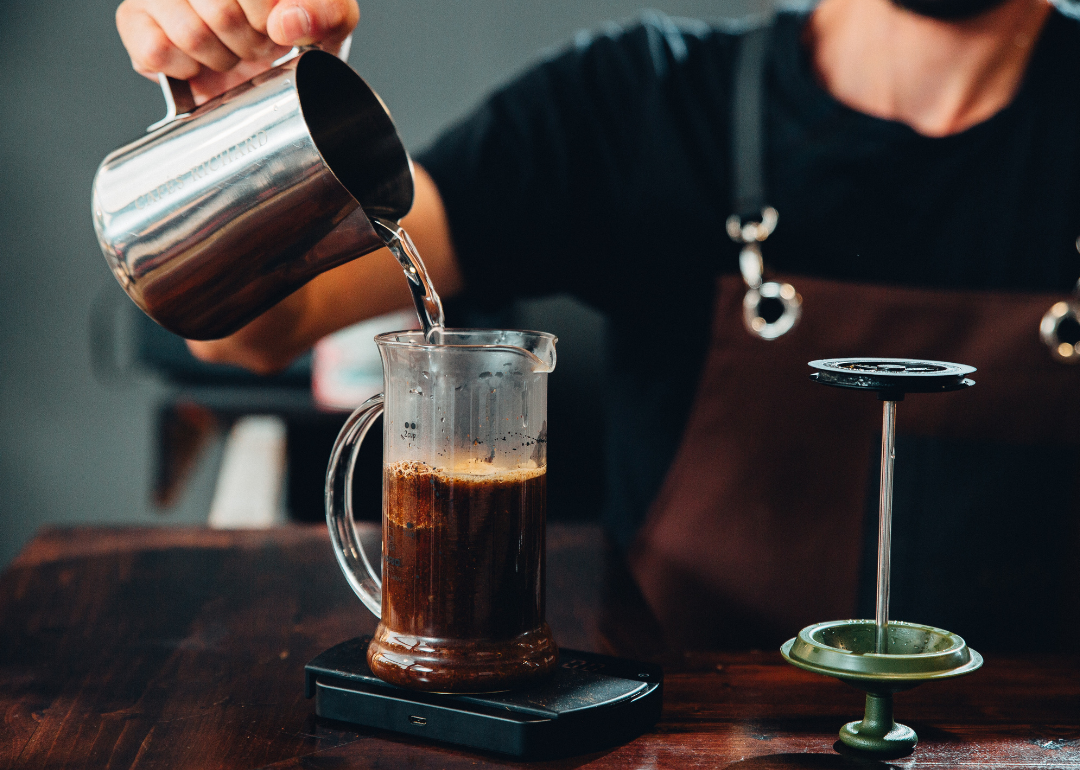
(591, 702)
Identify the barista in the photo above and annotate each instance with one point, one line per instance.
(923, 156)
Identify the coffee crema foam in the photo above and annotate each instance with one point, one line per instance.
(469, 469)
(473, 484)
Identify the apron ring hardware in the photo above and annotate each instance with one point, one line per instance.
(770, 309)
(1060, 326)
(751, 232)
(1060, 330)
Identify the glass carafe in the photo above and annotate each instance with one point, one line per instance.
(460, 595)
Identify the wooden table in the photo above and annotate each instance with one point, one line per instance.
(168, 648)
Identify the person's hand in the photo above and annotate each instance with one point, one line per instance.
(218, 44)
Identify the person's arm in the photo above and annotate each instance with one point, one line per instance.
(542, 185)
(363, 288)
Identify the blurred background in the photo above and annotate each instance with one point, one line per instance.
(103, 418)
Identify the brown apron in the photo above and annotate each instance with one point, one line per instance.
(758, 527)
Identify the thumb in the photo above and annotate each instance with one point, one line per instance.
(312, 22)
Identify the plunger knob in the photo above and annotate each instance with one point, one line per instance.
(892, 377)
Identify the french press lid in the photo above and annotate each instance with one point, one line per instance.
(892, 376)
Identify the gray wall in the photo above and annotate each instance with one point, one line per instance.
(74, 450)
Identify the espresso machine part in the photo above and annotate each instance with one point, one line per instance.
(882, 656)
(218, 214)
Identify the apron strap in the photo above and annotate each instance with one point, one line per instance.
(748, 122)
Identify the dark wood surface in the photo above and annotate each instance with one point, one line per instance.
(169, 648)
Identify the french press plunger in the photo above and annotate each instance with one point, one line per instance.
(882, 656)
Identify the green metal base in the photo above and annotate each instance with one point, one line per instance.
(878, 733)
(846, 649)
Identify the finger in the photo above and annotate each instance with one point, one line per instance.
(149, 47)
(257, 11)
(192, 35)
(311, 22)
(229, 23)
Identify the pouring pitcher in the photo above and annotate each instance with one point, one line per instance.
(221, 212)
(460, 592)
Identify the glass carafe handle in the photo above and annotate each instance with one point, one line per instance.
(352, 559)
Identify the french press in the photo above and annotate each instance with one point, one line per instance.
(883, 656)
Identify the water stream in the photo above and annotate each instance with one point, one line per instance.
(428, 305)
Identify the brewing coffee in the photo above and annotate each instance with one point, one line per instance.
(463, 562)
(464, 550)
(461, 592)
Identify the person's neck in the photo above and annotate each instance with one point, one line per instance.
(938, 77)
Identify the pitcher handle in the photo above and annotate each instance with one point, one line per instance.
(179, 101)
(350, 553)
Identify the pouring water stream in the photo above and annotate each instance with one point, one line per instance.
(428, 305)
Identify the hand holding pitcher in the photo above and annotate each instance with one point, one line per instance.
(217, 215)
(216, 45)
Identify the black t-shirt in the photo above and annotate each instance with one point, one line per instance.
(605, 172)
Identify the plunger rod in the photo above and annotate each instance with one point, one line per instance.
(888, 458)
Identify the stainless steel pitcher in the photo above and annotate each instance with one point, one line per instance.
(218, 214)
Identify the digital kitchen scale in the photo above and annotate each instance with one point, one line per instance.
(591, 702)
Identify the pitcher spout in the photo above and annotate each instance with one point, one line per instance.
(540, 351)
(534, 351)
